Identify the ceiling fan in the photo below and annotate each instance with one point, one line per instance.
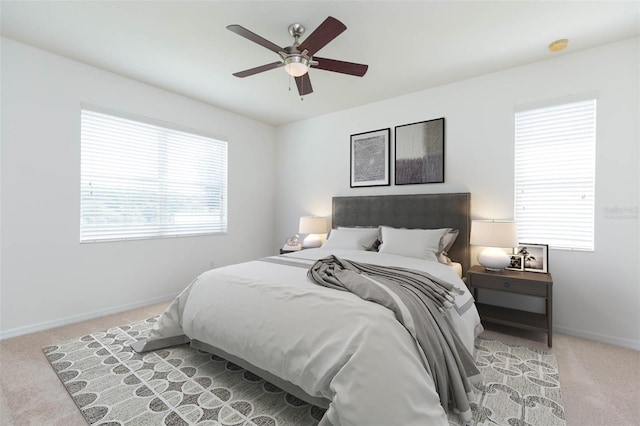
(299, 57)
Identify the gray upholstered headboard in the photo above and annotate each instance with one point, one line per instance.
(425, 211)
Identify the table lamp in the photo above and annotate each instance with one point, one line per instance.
(493, 235)
(315, 226)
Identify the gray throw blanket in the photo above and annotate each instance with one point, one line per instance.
(425, 297)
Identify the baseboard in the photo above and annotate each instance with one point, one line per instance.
(602, 338)
(19, 331)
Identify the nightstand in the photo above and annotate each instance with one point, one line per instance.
(529, 283)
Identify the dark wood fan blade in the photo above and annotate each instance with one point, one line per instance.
(256, 70)
(343, 67)
(327, 31)
(304, 84)
(241, 31)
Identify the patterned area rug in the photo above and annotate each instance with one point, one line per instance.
(521, 387)
(112, 385)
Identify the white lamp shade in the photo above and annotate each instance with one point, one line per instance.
(313, 225)
(493, 234)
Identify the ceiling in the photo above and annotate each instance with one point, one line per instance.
(184, 47)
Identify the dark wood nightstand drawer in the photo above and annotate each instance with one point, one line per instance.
(510, 284)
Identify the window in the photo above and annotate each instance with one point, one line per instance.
(142, 180)
(555, 175)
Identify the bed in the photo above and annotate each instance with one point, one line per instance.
(327, 347)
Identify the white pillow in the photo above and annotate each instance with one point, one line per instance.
(371, 230)
(445, 244)
(448, 239)
(351, 238)
(419, 243)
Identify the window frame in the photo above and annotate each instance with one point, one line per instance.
(162, 229)
(566, 242)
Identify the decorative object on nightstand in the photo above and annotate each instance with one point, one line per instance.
(494, 234)
(292, 244)
(315, 226)
(535, 257)
(515, 263)
(515, 282)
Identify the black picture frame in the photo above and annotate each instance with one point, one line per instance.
(419, 152)
(515, 263)
(371, 158)
(535, 257)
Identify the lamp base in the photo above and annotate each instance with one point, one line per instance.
(312, 241)
(493, 259)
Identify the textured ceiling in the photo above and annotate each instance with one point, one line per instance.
(185, 48)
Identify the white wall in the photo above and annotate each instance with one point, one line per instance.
(596, 294)
(47, 277)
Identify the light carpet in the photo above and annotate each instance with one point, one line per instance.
(113, 385)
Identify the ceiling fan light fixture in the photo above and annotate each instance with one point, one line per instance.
(296, 65)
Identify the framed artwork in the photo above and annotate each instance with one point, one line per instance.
(535, 257)
(420, 152)
(515, 263)
(370, 158)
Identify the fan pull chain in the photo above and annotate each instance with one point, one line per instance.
(301, 97)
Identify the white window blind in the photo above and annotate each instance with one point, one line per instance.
(555, 175)
(140, 180)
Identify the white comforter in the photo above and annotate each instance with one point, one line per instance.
(332, 344)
